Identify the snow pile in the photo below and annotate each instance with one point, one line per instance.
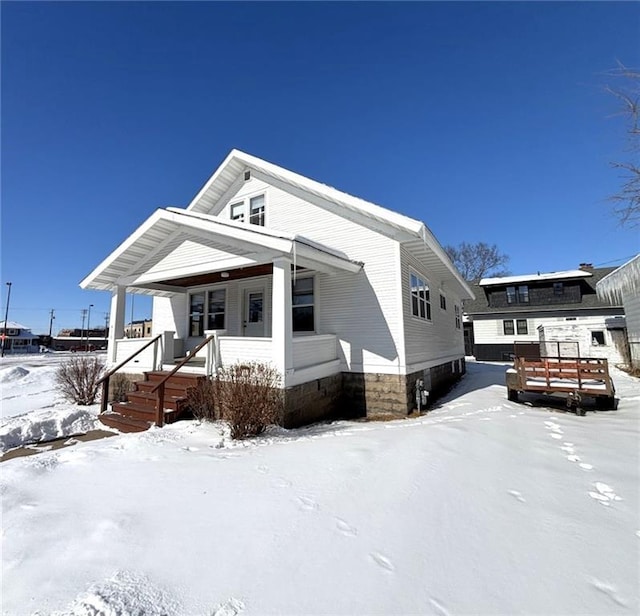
(12, 374)
(45, 425)
(483, 506)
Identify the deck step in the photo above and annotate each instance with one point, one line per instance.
(140, 411)
(122, 423)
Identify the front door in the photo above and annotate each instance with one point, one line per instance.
(253, 316)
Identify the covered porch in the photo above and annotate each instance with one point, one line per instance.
(250, 292)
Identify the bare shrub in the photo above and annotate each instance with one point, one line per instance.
(249, 398)
(202, 400)
(78, 379)
(120, 385)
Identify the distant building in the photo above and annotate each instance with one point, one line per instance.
(138, 329)
(16, 338)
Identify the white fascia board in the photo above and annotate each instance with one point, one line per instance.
(430, 240)
(212, 179)
(120, 250)
(569, 274)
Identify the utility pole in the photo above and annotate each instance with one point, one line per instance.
(106, 325)
(88, 327)
(84, 316)
(51, 317)
(6, 316)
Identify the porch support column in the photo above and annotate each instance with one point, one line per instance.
(116, 321)
(281, 328)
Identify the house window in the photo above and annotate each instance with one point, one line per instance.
(558, 288)
(420, 299)
(507, 327)
(456, 309)
(256, 210)
(521, 327)
(518, 295)
(216, 306)
(303, 304)
(214, 302)
(597, 338)
(237, 212)
(443, 302)
(12, 332)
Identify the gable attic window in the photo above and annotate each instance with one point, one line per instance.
(256, 210)
(237, 212)
(302, 311)
(420, 299)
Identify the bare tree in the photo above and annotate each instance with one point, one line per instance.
(627, 91)
(475, 261)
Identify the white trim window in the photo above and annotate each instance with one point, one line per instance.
(443, 302)
(236, 211)
(420, 298)
(206, 307)
(252, 209)
(303, 305)
(456, 310)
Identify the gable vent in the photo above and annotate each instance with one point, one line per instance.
(247, 175)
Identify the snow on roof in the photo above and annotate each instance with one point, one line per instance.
(13, 325)
(485, 282)
(625, 279)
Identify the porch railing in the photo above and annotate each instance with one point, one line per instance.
(161, 384)
(104, 381)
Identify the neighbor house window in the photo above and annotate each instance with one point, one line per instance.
(558, 288)
(206, 308)
(256, 210)
(597, 338)
(518, 295)
(443, 302)
(456, 309)
(507, 327)
(303, 305)
(237, 212)
(521, 326)
(420, 299)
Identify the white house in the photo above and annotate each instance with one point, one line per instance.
(353, 303)
(554, 306)
(623, 286)
(17, 338)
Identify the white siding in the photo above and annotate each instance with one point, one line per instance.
(311, 350)
(429, 342)
(632, 314)
(361, 309)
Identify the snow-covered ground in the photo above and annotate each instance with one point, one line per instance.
(483, 506)
(31, 410)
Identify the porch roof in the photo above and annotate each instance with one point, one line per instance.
(237, 245)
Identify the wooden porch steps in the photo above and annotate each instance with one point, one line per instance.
(138, 413)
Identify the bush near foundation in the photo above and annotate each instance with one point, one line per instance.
(78, 379)
(202, 400)
(249, 398)
(120, 385)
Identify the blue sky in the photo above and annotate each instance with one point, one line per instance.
(485, 120)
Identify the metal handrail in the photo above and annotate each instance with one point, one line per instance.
(105, 379)
(161, 384)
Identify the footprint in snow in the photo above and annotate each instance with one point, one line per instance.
(604, 494)
(585, 466)
(555, 435)
(610, 590)
(232, 607)
(517, 495)
(382, 561)
(573, 458)
(345, 528)
(262, 469)
(438, 607)
(281, 482)
(308, 504)
(187, 448)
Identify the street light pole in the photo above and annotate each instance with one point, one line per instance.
(6, 316)
(84, 316)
